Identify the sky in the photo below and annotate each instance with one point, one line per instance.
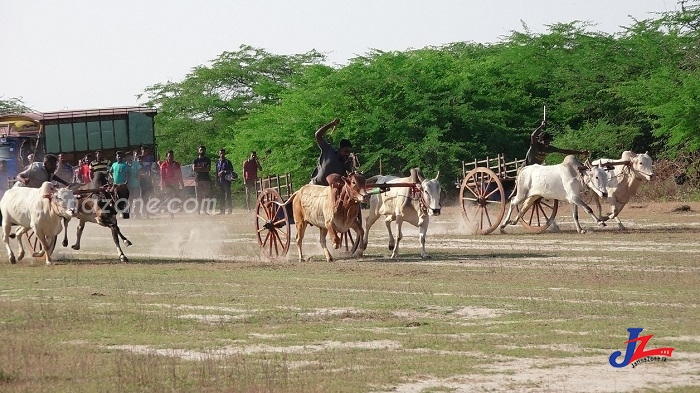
(77, 54)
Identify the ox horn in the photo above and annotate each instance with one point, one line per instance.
(419, 175)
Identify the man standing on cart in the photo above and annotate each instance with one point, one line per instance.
(540, 146)
(332, 161)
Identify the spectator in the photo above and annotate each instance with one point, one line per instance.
(120, 171)
(170, 178)
(40, 172)
(24, 152)
(202, 167)
(134, 183)
(251, 166)
(100, 164)
(147, 159)
(84, 169)
(30, 161)
(224, 172)
(64, 170)
(146, 182)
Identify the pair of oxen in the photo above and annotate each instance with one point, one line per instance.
(48, 209)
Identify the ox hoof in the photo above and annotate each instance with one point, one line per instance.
(38, 254)
(48, 263)
(426, 256)
(123, 258)
(602, 224)
(336, 245)
(127, 242)
(75, 247)
(13, 260)
(582, 231)
(65, 243)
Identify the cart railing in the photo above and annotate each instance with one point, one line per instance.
(505, 170)
(281, 183)
(502, 168)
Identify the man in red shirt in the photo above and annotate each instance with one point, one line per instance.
(170, 178)
(84, 169)
(250, 174)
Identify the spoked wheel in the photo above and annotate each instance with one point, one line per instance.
(272, 224)
(540, 216)
(483, 200)
(34, 244)
(33, 241)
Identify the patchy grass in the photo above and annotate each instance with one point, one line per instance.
(516, 312)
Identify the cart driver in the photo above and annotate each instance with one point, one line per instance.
(332, 161)
(39, 172)
(540, 146)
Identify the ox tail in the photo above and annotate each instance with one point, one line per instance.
(288, 201)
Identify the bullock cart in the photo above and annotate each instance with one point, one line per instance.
(273, 219)
(485, 189)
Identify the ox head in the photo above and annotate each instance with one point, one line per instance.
(355, 186)
(431, 192)
(595, 178)
(642, 166)
(61, 199)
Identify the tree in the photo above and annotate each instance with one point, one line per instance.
(13, 105)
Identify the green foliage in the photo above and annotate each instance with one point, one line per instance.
(436, 106)
(12, 105)
(205, 107)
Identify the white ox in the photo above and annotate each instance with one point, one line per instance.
(329, 209)
(401, 204)
(40, 209)
(630, 172)
(561, 182)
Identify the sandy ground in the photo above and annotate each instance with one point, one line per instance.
(231, 238)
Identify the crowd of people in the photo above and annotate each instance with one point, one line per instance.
(147, 178)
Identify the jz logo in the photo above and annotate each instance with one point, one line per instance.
(639, 354)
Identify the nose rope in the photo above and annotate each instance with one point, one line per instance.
(417, 194)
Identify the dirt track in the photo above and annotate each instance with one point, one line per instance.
(231, 237)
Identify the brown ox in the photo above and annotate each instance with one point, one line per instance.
(331, 209)
(101, 207)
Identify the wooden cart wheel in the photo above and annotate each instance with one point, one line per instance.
(272, 224)
(33, 241)
(540, 216)
(483, 200)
